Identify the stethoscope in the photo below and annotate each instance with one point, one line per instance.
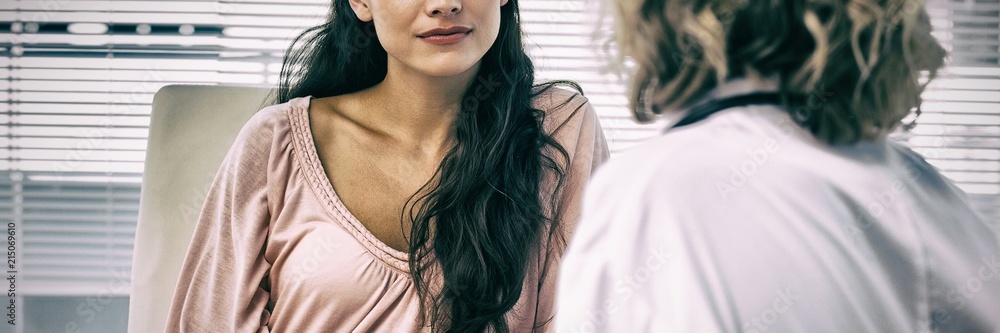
(705, 110)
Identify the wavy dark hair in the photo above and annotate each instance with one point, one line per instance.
(483, 212)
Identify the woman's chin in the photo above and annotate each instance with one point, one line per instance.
(447, 67)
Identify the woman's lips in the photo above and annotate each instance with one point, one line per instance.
(446, 39)
(445, 35)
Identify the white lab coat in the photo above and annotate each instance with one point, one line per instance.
(743, 222)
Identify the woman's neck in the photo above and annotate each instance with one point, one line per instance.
(417, 109)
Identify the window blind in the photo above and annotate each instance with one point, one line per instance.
(77, 79)
(959, 131)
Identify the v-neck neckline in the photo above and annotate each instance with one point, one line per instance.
(317, 176)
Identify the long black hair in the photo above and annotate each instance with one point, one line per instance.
(485, 213)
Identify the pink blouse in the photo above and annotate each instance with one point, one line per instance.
(275, 250)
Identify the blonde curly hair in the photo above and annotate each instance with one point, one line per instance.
(872, 57)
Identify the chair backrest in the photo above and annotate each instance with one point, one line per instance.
(191, 129)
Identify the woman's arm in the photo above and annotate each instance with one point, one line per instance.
(576, 127)
(222, 282)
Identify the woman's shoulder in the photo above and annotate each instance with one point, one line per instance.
(277, 118)
(270, 127)
(571, 121)
(563, 107)
(274, 115)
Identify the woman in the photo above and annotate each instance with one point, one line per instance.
(775, 202)
(425, 185)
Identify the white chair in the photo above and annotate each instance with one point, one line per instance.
(190, 132)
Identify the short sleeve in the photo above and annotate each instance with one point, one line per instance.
(573, 123)
(222, 287)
